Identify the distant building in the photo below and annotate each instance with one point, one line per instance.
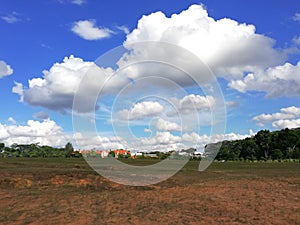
(136, 154)
(94, 153)
(151, 155)
(121, 152)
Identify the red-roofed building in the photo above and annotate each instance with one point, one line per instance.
(121, 153)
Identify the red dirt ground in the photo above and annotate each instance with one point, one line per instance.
(190, 197)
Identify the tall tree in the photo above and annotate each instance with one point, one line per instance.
(263, 140)
(69, 150)
(249, 149)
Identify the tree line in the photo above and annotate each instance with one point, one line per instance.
(35, 150)
(265, 145)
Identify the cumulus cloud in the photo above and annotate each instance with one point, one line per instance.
(228, 47)
(161, 138)
(193, 103)
(171, 115)
(164, 125)
(85, 141)
(225, 45)
(291, 110)
(46, 132)
(280, 124)
(141, 110)
(263, 118)
(166, 141)
(5, 69)
(57, 88)
(287, 118)
(192, 137)
(88, 30)
(206, 139)
(283, 80)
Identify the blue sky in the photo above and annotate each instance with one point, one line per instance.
(253, 54)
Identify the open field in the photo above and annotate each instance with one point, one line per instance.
(68, 191)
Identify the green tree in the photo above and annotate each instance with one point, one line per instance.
(263, 141)
(223, 153)
(296, 153)
(277, 154)
(68, 150)
(230, 150)
(249, 149)
(112, 154)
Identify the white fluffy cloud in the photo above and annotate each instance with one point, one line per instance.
(58, 86)
(161, 138)
(200, 103)
(225, 45)
(192, 104)
(291, 110)
(84, 141)
(283, 80)
(164, 125)
(206, 139)
(166, 141)
(141, 110)
(5, 69)
(286, 124)
(46, 132)
(88, 30)
(287, 118)
(184, 111)
(192, 137)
